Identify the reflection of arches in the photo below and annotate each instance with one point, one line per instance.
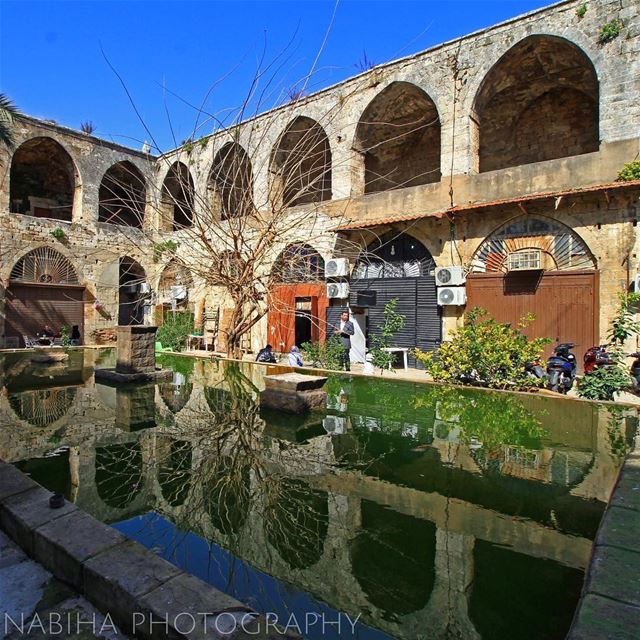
(118, 474)
(175, 396)
(301, 163)
(231, 182)
(227, 494)
(296, 522)
(174, 470)
(393, 559)
(133, 292)
(562, 248)
(122, 194)
(220, 402)
(177, 198)
(538, 102)
(42, 407)
(399, 135)
(44, 265)
(43, 180)
(298, 263)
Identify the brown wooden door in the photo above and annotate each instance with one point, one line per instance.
(565, 303)
(29, 307)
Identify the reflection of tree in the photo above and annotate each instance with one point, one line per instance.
(119, 473)
(620, 430)
(174, 472)
(42, 407)
(296, 521)
(227, 494)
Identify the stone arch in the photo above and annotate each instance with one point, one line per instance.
(298, 263)
(42, 407)
(43, 180)
(398, 136)
(538, 102)
(177, 198)
(560, 247)
(44, 265)
(134, 292)
(230, 183)
(122, 195)
(175, 285)
(301, 164)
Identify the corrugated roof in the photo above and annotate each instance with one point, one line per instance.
(464, 208)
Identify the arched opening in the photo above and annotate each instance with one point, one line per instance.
(43, 290)
(42, 407)
(396, 266)
(231, 183)
(537, 265)
(174, 469)
(177, 198)
(119, 474)
(43, 180)
(297, 298)
(228, 494)
(393, 560)
(122, 196)
(538, 102)
(399, 137)
(134, 293)
(301, 164)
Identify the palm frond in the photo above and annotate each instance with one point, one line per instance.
(8, 111)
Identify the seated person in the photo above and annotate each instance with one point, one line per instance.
(266, 355)
(47, 332)
(74, 340)
(295, 359)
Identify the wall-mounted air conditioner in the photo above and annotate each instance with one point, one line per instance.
(178, 292)
(449, 276)
(336, 268)
(529, 260)
(144, 287)
(338, 290)
(335, 424)
(456, 296)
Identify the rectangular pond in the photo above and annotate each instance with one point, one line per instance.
(401, 510)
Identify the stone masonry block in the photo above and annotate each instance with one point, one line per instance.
(62, 545)
(13, 481)
(620, 529)
(603, 619)
(115, 579)
(24, 512)
(613, 574)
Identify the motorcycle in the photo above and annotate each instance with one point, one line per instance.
(597, 357)
(561, 368)
(535, 369)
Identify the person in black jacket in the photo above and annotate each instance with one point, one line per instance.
(266, 355)
(345, 330)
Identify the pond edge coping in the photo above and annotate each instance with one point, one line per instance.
(138, 590)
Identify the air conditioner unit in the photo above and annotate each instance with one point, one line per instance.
(144, 287)
(529, 260)
(446, 431)
(449, 276)
(337, 267)
(178, 292)
(636, 283)
(335, 424)
(452, 296)
(338, 290)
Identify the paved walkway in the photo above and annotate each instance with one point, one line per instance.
(33, 604)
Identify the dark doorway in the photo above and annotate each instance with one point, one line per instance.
(303, 320)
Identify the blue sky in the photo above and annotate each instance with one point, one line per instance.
(170, 54)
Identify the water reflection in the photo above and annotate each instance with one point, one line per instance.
(420, 508)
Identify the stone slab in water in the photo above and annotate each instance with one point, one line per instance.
(116, 377)
(294, 382)
(293, 401)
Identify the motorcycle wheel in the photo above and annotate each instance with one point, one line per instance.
(554, 381)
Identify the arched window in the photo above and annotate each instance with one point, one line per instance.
(399, 135)
(301, 164)
(533, 242)
(43, 180)
(177, 198)
(44, 266)
(298, 263)
(394, 255)
(538, 102)
(231, 183)
(122, 196)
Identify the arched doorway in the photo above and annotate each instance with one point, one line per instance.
(297, 298)
(122, 195)
(177, 198)
(43, 180)
(533, 264)
(538, 102)
(399, 137)
(301, 164)
(43, 290)
(134, 293)
(396, 265)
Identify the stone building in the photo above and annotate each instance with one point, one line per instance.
(496, 153)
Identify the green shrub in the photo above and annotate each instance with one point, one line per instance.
(603, 382)
(581, 11)
(393, 322)
(327, 355)
(65, 335)
(610, 31)
(175, 329)
(630, 171)
(485, 352)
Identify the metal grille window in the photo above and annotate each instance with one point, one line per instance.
(44, 266)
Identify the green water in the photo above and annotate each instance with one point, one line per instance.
(422, 511)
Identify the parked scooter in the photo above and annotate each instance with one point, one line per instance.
(597, 357)
(535, 369)
(561, 368)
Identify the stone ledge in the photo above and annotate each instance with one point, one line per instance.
(603, 619)
(13, 481)
(116, 377)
